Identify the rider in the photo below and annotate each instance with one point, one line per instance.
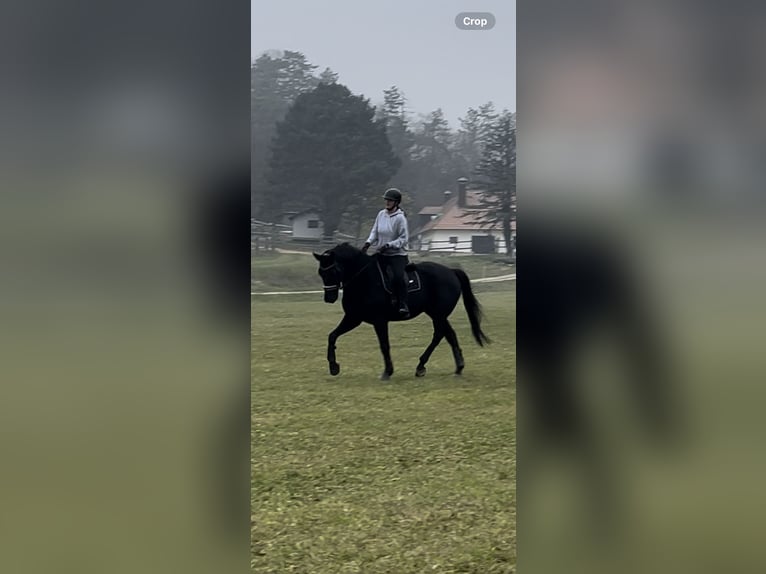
(390, 234)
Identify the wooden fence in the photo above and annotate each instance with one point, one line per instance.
(268, 237)
(264, 243)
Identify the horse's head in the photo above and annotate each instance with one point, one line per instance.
(330, 274)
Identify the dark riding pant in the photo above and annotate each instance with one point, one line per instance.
(397, 264)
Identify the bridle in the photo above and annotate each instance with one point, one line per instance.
(329, 287)
(334, 265)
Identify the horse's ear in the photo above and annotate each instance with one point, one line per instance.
(316, 256)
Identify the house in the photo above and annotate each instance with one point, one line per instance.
(455, 226)
(426, 214)
(307, 224)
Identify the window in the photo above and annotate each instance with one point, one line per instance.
(313, 223)
(453, 239)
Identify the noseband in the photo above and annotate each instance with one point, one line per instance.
(329, 287)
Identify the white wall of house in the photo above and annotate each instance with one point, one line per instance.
(307, 226)
(444, 240)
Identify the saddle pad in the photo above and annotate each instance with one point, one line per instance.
(413, 279)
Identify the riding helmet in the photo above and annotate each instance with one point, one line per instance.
(393, 194)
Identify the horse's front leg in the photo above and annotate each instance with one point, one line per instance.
(381, 330)
(346, 324)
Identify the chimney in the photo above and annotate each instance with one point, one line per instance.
(447, 196)
(462, 183)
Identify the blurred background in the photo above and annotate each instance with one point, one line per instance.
(124, 297)
(640, 290)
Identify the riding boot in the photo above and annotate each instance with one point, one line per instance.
(404, 311)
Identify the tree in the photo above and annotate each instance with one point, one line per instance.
(276, 80)
(467, 144)
(328, 77)
(472, 135)
(394, 115)
(435, 168)
(297, 75)
(496, 177)
(328, 153)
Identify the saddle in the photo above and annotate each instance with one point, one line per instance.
(413, 278)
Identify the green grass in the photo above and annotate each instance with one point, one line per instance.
(293, 271)
(284, 271)
(351, 474)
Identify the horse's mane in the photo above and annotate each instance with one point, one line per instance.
(346, 251)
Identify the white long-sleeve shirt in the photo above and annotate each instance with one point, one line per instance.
(390, 230)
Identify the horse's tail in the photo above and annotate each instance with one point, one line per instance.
(472, 307)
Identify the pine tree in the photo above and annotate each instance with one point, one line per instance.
(328, 77)
(496, 177)
(435, 168)
(393, 114)
(276, 79)
(395, 118)
(472, 135)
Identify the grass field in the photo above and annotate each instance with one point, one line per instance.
(351, 474)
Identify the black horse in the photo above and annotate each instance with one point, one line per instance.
(367, 300)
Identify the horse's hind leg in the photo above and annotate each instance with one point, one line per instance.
(449, 332)
(420, 370)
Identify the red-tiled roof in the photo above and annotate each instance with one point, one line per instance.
(453, 217)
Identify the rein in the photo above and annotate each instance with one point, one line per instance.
(359, 272)
(331, 287)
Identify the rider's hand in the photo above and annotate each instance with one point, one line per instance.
(366, 247)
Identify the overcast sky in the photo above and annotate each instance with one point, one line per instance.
(413, 44)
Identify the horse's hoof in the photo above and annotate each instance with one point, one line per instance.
(459, 372)
(334, 369)
(384, 376)
(420, 372)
